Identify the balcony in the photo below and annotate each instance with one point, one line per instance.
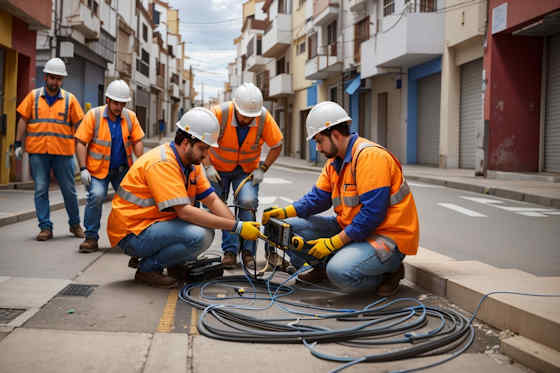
(358, 5)
(281, 85)
(279, 37)
(324, 65)
(83, 19)
(256, 63)
(415, 39)
(174, 91)
(124, 68)
(325, 11)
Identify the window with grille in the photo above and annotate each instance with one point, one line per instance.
(259, 46)
(331, 33)
(280, 66)
(428, 5)
(388, 7)
(361, 34)
(144, 32)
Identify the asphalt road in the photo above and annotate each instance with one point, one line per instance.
(460, 224)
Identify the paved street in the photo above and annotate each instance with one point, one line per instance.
(123, 318)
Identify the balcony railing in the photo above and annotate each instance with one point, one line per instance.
(84, 20)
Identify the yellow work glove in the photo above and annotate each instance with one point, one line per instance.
(278, 212)
(248, 230)
(325, 246)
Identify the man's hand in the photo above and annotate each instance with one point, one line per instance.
(279, 213)
(18, 151)
(86, 177)
(248, 230)
(325, 246)
(212, 174)
(258, 173)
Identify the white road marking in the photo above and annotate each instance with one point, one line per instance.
(275, 180)
(421, 185)
(462, 210)
(267, 200)
(532, 214)
(525, 209)
(486, 201)
(286, 199)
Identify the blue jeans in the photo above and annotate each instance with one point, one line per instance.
(247, 200)
(97, 191)
(167, 243)
(41, 165)
(354, 267)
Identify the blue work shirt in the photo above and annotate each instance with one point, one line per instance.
(187, 171)
(374, 203)
(118, 154)
(51, 99)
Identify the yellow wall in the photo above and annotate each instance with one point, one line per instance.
(5, 29)
(173, 20)
(464, 22)
(10, 94)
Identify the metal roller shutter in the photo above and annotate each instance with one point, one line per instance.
(552, 119)
(429, 94)
(471, 111)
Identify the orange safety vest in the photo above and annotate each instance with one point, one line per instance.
(99, 150)
(400, 227)
(136, 205)
(229, 154)
(50, 134)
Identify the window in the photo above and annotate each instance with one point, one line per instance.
(331, 33)
(144, 32)
(282, 7)
(280, 66)
(259, 45)
(95, 8)
(361, 34)
(388, 7)
(312, 46)
(332, 93)
(145, 56)
(301, 47)
(428, 5)
(250, 48)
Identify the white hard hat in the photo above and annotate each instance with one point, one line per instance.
(248, 100)
(324, 115)
(55, 66)
(118, 91)
(201, 123)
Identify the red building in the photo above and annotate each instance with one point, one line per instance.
(522, 96)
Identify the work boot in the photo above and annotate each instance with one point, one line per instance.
(390, 284)
(178, 272)
(88, 246)
(229, 260)
(275, 260)
(45, 234)
(314, 276)
(248, 260)
(134, 262)
(77, 231)
(156, 279)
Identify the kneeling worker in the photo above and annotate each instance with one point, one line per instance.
(376, 223)
(153, 215)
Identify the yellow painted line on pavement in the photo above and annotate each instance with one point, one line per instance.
(167, 320)
(194, 320)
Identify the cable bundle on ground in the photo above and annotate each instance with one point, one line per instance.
(405, 324)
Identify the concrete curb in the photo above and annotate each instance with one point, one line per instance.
(464, 283)
(31, 214)
(498, 192)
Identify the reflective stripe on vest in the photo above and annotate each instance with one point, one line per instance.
(142, 202)
(54, 134)
(36, 119)
(96, 139)
(224, 108)
(353, 201)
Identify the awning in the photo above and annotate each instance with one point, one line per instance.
(353, 85)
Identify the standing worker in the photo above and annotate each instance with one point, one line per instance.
(245, 126)
(106, 139)
(376, 223)
(154, 217)
(49, 116)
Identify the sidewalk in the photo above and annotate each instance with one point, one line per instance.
(530, 187)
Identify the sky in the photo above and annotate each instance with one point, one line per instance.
(209, 27)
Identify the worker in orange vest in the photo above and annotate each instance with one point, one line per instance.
(106, 139)
(154, 216)
(244, 126)
(376, 222)
(49, 116)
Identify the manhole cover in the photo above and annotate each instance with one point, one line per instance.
(8, 314)
(77, 290)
